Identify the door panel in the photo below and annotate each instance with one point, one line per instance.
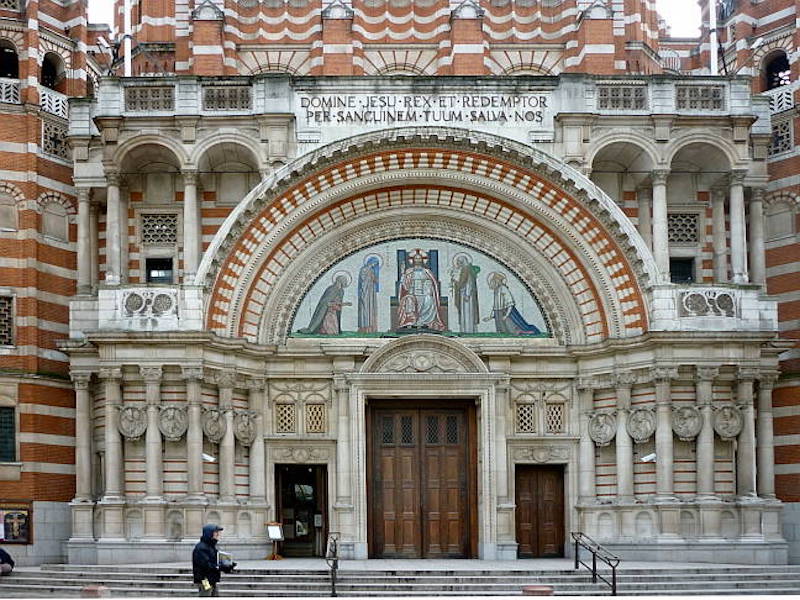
(540, 511)
(419, 483)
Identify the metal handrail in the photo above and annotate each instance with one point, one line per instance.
(332, 558)
(584, 541)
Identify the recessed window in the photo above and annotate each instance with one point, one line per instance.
(9, 61)
(54, 222)
(6, 321)
(159, 270)
(777, 72)
(8, 435)
(8, 213)
(681, 270)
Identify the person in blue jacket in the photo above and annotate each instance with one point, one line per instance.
(206, 565)
(6, 563)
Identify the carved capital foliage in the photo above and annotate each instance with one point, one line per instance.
(151, 374)
(112, 373)
(80, 379)
(625, 379)
(602, 428)
(659, 176)
(192, 373)
(214, 425)
(542, 454)
(768, 379)
(664, 374)
(728, 421)
(686, 422)
(738, 176)
(225, 379)
(641, 424)
(748, 374)
(132, 422)
(173, 421)
(707, 373)
(255, 383)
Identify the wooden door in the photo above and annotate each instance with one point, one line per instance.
(540, 511)
(419, 488)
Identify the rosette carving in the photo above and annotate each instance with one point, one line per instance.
(686, 422)
(132, 422)
(214, 425)
(173, 421)
(244, 427)
(728, 421)
(641, 424)
(602, 428)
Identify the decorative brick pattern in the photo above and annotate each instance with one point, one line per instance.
(6, 321)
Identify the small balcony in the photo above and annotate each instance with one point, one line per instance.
(780, 99)
(54, 102)
(9, 91)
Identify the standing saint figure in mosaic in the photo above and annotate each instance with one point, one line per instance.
(368, 288)
(464, 286)
(327, 317)
(507, 319)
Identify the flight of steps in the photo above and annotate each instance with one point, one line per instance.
(61, 581)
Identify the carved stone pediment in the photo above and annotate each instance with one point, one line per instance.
(302, 454)
(425, 354)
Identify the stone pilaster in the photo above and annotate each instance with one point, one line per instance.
(191, 227)
(195, 495)
(705, 439)
(765, 449)
(82, 506)
(113, 237)
(660, 223)
(84, 254)
(624, 381)
(257, 471)
(720, 238)
(664, 467)
(738, 234)
(758, 268)
(745, 447)
(226, 381)
(586, 461)
(113, 499)
(154, 468)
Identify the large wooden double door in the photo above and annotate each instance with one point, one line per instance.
(422, 486)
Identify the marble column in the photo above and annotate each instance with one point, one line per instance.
(227, 448)
(257, 471)
(84, 242)
(624, 443)
(83, 436)
(704, 390)
(124, 209)
(660, 224)
(194, 434)
(720, 241)
(113, 230)
(93, 245)
(746, 444)
(738, 234)
(191, 227)
(758, 266)
(766, 441)
(113, 526)
(586, 463)
(664, 466)
(644, 196)
(153, 445)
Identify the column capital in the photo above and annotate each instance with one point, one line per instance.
(151, 374)
(80, 379)
(84, 194)
(586, 384)
(189, 176)
(759, 194)
(113, 177)
(659, 176)
(737, 176)
(707, 373)
(225, 379)
(747, 374)
(255, 383)
(719, 192)
(111, 373)
(644, 192)
(192, 373)
(625, 379)
(768, 379)
(664, 374)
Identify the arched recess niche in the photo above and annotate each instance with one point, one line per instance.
(441, 180)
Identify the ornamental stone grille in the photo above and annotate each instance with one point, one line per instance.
(140, 99)
(9, 91)
(159, 229)
(227, 98)
(54, 139)
(526, 418)
(285, 418)
(782, 137)
(316, 418)
(9, 4)
(554, 418)
(683, 228)
(6, 321)
(700, 97)
(622, 97)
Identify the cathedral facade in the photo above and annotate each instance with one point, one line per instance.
(440, 279)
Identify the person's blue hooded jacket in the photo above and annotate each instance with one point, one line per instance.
(204, 557)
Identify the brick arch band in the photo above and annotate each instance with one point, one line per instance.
(561, 235)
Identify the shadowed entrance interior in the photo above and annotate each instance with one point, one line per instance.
(302, 500)
(422, 485)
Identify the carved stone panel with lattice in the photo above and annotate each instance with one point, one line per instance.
(6, 321)
(555, 417)
(159, 229)
(700, 97)
(54, 139)
(285, 418)
(541, 408)
(308, 399)
(621, 97)
(316, 418)
(683, 228)
(526, 417)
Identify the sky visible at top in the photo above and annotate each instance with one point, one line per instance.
(683, 16)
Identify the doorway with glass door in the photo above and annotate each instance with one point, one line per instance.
(302, 500)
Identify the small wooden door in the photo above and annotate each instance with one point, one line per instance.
(540, 511)
(419, 489)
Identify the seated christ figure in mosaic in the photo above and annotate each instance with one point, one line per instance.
(418, 299)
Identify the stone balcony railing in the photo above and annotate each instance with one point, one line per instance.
(9, 90)
(54, 102)
(780, 99)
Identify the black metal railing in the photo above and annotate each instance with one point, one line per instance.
(332, 558)
(598, 552)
